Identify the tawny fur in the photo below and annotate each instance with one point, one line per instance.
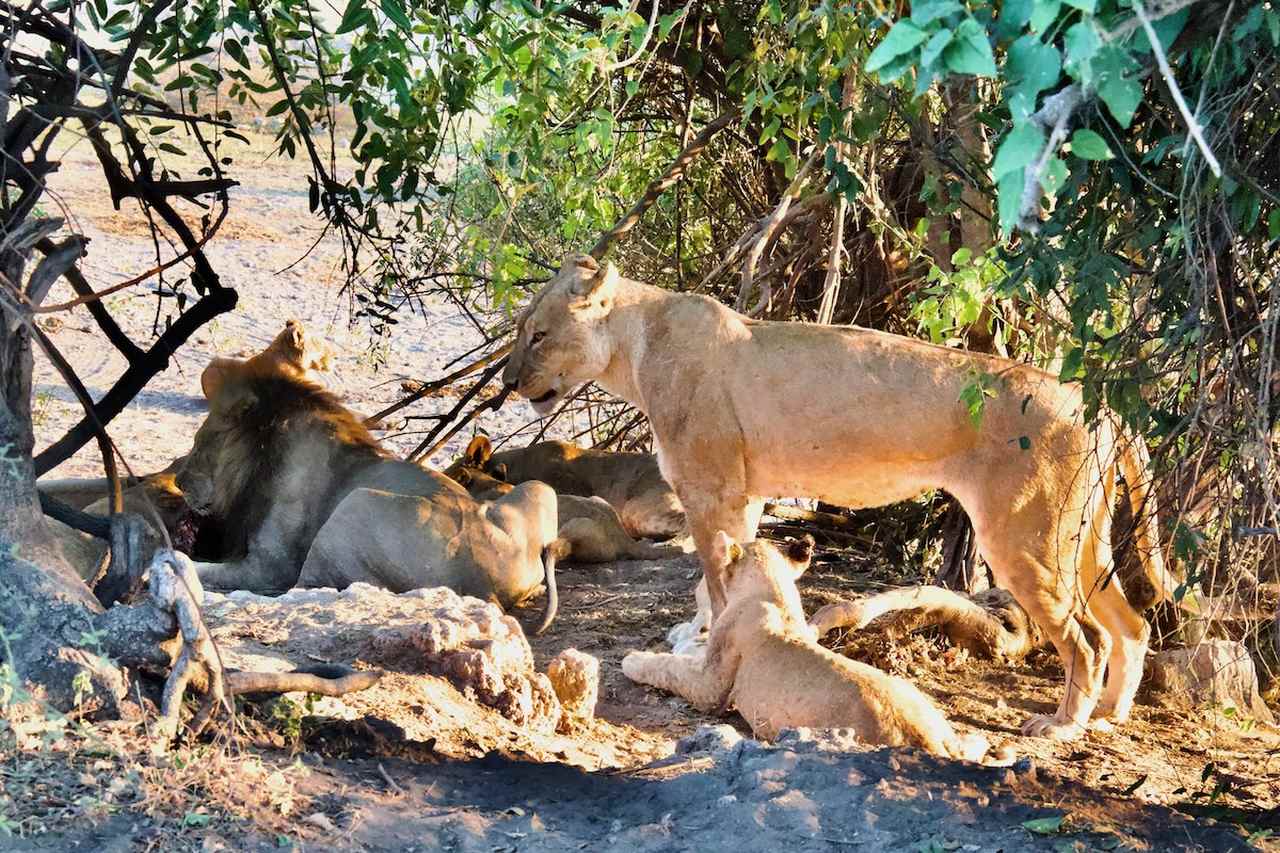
(590, 525)
(744, 410)
(761, 659)
(291, 353)
(630, 482)
(309, 498)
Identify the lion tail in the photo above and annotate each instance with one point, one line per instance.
(1133, 464)
(557, 549)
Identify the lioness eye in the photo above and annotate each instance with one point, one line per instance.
(537, 336)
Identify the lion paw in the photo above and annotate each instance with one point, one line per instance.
(1050, 726)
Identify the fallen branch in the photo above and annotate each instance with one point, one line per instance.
(426, 388)
(301, 682)
(764, 237)
(1053, 117)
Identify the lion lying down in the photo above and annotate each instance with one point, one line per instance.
(762, 659)
(630, 482)
(307, 497)
(590, 526)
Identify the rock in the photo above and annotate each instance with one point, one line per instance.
(471, 643)
(575, 677)
(1214, 672)
(721, 738)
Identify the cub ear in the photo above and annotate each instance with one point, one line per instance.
(595, 286)
(499, 471)
(800, 552)
(724, 551)
(479, 451)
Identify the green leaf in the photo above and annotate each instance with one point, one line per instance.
(1032, 66)
(1071, 364)
(1009, 197)
(196, 819)
(1024, 442)
(355, 15)
(667, 22)
(1054, 176)
(927, 11)
(1086, 6)
(970, 52)
(236, 51)
(633, 86)
(1045, 825)
(172, 149)
(1273, 224)
(1044, 13)
(278, 107)
(1088, 145)
(1020, 148)
(770, 130)
(161, 129)
(903, 38)
(1121, 93)
(1082, 43)
(394, 10)
(931, 51)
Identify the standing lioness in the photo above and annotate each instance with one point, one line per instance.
(743, 410)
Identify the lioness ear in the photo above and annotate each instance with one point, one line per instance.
(479, 451)
(214, 377)
(596, 289)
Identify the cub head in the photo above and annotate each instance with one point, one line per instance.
(561, 339)
(759, 565)
(475, 473)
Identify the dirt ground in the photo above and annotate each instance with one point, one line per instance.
(1158, 783)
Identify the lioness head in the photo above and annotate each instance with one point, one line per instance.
(561, 341)
(293, 352)
(746, 566)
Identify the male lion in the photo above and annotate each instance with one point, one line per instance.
(307, 497)
(590, 526)
(630, 482)
(762, 659)
(743, 410)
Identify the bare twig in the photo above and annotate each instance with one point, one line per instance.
(1193, 126)
(674, 173)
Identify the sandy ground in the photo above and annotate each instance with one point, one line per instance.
(727, 800)
(260, 252)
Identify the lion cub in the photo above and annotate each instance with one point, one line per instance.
(762, 660)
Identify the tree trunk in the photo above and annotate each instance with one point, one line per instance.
(51, 625)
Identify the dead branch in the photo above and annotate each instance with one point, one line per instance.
(831, 284)
(426, 388)
(301, 682)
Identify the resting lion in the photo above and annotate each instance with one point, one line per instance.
(762, 659)
(292, 353)
(743, 410)
(589, 525)
(630, 482)
(307, 497)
